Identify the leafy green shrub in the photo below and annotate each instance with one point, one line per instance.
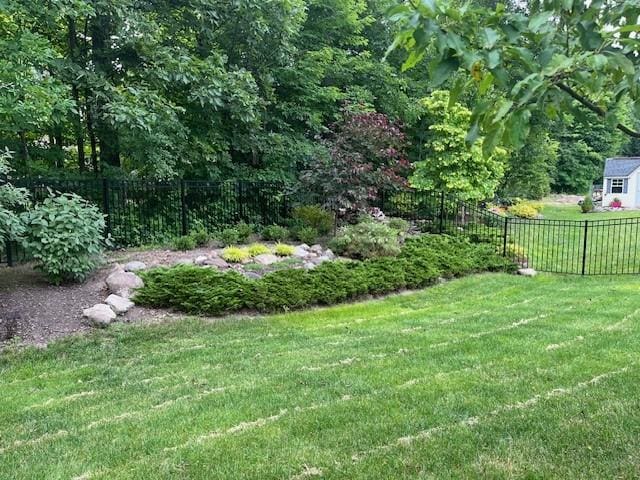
(275, 233)
(229, 236)
(12, 199)
(367, 239)
(524, 210)
(587, 204)
(284, 250)
(307, 235)
(235, 254)
(420, 263)
(256, 249)
(186, 242)
(399, 224)
(245, 230)
(313, 216)
(200, 237)
(64, 234)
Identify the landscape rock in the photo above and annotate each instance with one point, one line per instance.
(266, 259)
(100, 315)
(217, 262)
(134, 266)
(201, 260)
(527, 272)
(118, 304)
(329, 254)
(122, 283)
(252, 275)
(184, 261)
(321, 259)
(316, 248)
(309, 265)
(301, 252)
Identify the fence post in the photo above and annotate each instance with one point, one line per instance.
(106, 207)
(442, 211)
(584, 247)
(183, 208)
(504, 237)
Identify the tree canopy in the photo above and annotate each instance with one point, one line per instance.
(541, 56)
(254, 89)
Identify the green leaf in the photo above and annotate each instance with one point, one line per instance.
(489, 37)
(442, 70)
(539, 20)
(456, 90)
(503, 108)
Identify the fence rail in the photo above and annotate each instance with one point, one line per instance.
(140, 212)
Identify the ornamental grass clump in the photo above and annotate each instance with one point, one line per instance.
(235, 254)
(256, 249)
(284, 250)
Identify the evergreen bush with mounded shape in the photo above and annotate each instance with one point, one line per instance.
(421, 262)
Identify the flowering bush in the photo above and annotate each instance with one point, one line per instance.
(615, 203)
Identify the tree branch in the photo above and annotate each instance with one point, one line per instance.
(594, 108)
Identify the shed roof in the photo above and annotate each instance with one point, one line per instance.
(621, 166)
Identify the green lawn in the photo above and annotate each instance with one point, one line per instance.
(490, 376)
(573, 212)
(556, 243)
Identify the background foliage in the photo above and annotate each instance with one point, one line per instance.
(253, 89)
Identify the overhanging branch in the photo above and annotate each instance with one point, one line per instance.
(594, 108)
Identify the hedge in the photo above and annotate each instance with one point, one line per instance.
(421, 262)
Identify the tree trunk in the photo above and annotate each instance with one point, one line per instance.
(24, 146)
(92, 138)
(107, 135)
(79, 134)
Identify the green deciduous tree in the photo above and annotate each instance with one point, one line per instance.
(449, 163)
(531, 169)
(538, 58)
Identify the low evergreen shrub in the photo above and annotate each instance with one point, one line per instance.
(313, 216)
(421, 262)
(399, 224)
(308, 235)
(229, 236)
(245, 230)
(200, 237)
(366, 239)
(275, 233)
(184, 243)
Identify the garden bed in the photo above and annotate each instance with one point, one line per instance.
(421, 262)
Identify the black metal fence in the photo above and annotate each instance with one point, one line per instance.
(140, 212)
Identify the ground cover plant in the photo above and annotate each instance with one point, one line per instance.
(489, 376)
(421, 262)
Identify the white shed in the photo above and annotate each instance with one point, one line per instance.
(621, 182)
